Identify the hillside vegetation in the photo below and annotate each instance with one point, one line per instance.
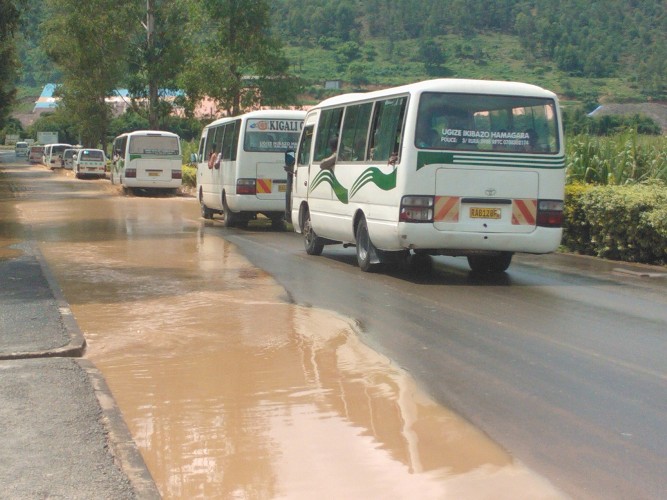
(589, 51)
(592, 51)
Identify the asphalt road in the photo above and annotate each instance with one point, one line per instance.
(562, 360)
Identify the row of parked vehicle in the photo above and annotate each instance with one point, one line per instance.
(84, 162)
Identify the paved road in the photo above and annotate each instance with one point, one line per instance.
(62, 435)
(563, 360)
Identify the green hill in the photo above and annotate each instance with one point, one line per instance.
(587, 51)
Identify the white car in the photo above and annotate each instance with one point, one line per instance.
(89, 162)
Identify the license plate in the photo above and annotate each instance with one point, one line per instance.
(282, 188)
(153, 174)
(484, 213)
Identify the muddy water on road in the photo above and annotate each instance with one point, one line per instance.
(230, 391)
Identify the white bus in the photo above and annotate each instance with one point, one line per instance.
(442, 167)
(147, 159)
(89, 162)
(241, 160)
(53, 154)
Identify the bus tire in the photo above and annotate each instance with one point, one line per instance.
(231, 218)
(206, 212)
(311, 241)
(367, 256)
(490, 263)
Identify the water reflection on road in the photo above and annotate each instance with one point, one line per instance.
(232, 392)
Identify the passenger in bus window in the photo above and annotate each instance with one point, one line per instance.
(329, 162)
(212, 157)
(426, 136)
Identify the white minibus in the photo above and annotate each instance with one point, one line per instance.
(21, 149)
(241, 165)
(147, 159)
(36, 154)
(441, 167)
(53, 154)
(68, 158)
(89, 162)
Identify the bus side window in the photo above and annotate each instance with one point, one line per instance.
(387, 132)
(327, 130)
(234, 145)
(201, 156)
(303, 155)
(355, 132)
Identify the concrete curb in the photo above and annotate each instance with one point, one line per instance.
(123, 447)
(77, 344)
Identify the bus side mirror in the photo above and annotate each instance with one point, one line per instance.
(193, 158)
(290, 158)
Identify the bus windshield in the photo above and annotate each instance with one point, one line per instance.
(471, 122)
(272, 136)
(154, 145)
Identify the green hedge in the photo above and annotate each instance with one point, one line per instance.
(189, 175)
(627, 223)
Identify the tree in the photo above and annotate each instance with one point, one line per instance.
(236, 61)
(157, 55)
(432, 56)
(8, 63)
(87, 40)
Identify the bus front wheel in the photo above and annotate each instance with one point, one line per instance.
(311, 241)
(490, 263)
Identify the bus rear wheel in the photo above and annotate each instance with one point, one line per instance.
(232, 219)
(311, 241)
(206, 212)
(490, 263)
(366, 251)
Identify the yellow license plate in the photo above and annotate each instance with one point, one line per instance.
(282, 188)
(484, 213)
(153, 174)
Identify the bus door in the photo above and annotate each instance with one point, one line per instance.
(323, 180)
(302, 164)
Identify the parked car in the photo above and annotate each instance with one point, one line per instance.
(21, 148)
(68, 157)
(36, 154)
(89, 162)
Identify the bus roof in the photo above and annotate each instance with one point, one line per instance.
(272, 114)
(454, 85)
(163, 133)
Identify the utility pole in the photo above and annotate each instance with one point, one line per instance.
(150, 62)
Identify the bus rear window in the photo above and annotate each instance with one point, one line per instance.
(271, 136)
(471, 122)
(154, 145)
(92, 155)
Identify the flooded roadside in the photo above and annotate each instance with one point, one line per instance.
(232, 392)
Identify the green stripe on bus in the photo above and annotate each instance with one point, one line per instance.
(425, 158)
(430, 157)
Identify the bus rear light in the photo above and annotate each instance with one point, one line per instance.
(550, 213)
(176, 174)
(246, 186)
(131, 173)
(416, 209)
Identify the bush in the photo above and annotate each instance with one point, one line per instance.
(189, 176)
(627, 223)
